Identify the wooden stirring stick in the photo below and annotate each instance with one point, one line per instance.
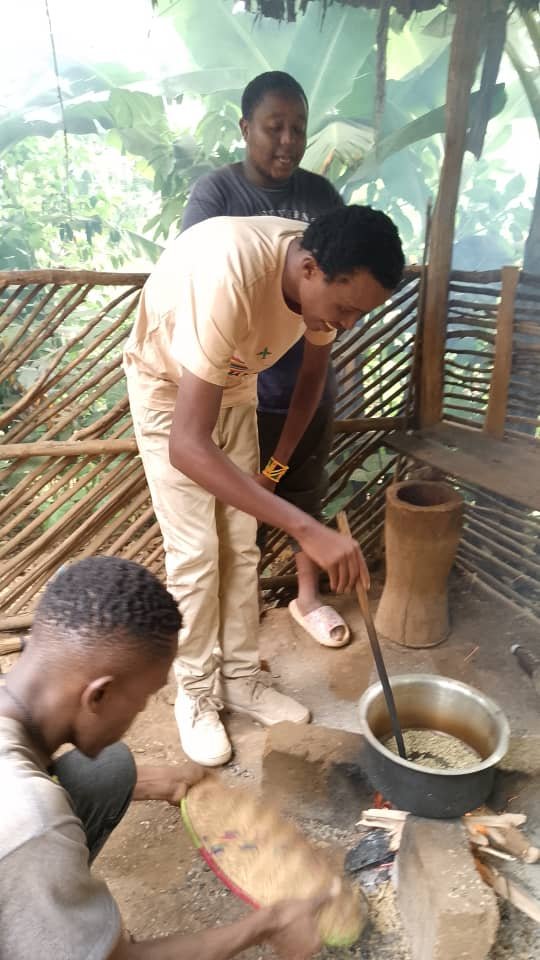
(363, 603)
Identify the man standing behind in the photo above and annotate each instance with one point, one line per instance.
(270, 182)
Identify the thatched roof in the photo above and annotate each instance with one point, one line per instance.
(288, 9)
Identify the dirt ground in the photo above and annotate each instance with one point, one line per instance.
(159, 881)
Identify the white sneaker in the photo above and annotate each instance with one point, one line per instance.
(202, 734)
(255, 697)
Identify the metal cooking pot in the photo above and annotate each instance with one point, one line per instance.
(433, 703)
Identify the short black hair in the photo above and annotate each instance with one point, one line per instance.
(273, 81)
(108, 601)
(349, 238)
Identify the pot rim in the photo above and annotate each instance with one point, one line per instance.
(404, 679)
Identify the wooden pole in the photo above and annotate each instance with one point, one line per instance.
(461, 71)
(61, 277)
(65, 448)
(21, 622)
(502, 366)
(366, 424)
(10, 645)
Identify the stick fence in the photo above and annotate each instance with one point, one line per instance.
(71, 482)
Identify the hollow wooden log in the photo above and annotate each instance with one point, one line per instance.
(422, 532)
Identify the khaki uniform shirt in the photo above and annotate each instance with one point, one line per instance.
(214, 305)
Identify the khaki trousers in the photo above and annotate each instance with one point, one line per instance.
(211, 556)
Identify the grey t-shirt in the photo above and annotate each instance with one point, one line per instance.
(227, 193)
(306, 195)
(51, 905)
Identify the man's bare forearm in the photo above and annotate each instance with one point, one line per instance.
(220, 943)
(291, 927)
(305, 399)
(301, 413)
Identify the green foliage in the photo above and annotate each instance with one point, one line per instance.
(341, 145)
(94, 224)
(492, 219)
(41, 116)
(179, 126)
(138, 140)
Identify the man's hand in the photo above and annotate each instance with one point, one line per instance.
(336, 553)
(291, 927)
(296, 926)
(169, 783)
(265, 482)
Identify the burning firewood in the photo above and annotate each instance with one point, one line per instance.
(497, 834)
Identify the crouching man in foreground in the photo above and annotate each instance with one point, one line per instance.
(104, 638)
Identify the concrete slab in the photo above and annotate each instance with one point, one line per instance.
(446, 909)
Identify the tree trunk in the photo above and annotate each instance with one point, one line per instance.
(422, 532)
(461, 71)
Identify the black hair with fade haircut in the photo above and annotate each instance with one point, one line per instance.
(350, 238)
(109, 601)
(273, 81)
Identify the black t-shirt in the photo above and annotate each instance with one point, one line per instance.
(227, 193)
